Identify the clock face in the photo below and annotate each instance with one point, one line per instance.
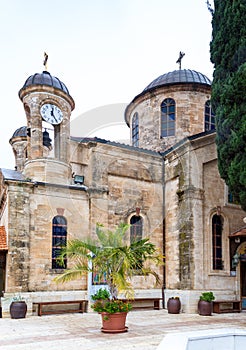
(51, 114)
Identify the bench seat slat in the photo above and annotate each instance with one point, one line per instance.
(83, 304)
(155, 301)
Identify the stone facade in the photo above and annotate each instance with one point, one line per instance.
(172, 182)
(189, 114)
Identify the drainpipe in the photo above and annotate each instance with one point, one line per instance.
(163, 231)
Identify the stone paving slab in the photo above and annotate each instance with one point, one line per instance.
(82, 331)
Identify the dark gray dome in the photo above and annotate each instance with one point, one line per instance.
(177, 77)
(45, 78)
(20, 132)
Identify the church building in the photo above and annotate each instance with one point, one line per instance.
(165, 184)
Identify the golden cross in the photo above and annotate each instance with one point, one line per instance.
(45, 60)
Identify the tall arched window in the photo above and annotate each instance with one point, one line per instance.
(217, 228)
(209, 117)
(136, 234)
(59, 240)
(136, 228)
(135, 130)
(168, 117)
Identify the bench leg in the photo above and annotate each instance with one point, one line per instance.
(39, 310)
(156, 305)
(81, 307)
(85, 306)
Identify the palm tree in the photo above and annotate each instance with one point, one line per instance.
(112, 258)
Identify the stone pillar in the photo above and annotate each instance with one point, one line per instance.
(19, 146)
(18, 258)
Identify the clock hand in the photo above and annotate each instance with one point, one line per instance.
(52, 114)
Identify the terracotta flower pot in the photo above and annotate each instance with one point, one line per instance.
(173, 306)
(114, 323)
(18, 309)
(204, 308)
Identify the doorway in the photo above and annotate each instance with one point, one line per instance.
(243, 282)
(2, 272)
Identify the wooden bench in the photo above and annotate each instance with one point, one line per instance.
(83, 306)
(141, 303)
(226, 306)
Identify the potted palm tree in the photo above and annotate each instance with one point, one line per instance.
(205, 304)
(115, 260)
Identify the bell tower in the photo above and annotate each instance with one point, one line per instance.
(48, 106)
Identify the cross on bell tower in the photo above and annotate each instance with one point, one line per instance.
(181, 55)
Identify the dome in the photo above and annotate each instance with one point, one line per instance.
(45, 78)
(20, 132)
(177, 77)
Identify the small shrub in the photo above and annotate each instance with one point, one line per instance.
(101, 294)
(207, 296)
(111, 306)
(177, 298)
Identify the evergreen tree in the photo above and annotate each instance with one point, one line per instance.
(228, 53)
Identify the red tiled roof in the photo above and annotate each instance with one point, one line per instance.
(3, 239)
(239, 233)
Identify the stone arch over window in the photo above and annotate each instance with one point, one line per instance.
(217, 242)
(59, 240)
(209, 117)
(135, 130)
(136, 228)
(168, 117)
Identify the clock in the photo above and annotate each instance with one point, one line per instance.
(51, 114)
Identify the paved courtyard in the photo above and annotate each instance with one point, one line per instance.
(82, 331)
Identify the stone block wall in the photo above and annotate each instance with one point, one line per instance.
(190, 104)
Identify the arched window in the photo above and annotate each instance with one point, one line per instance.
(217, 228)
(209, 117)
(135, 130)
(168, 117)
(231, 198)
(136, 228)
(59, 240)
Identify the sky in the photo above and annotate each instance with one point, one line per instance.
(105, 51)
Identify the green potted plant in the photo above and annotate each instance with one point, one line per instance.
(113, 311)
(18, 307)
(101, 294)
(205, 304)
(115, 260)
(173, 305)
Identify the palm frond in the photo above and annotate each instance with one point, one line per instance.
(74, 273)
(111, 257)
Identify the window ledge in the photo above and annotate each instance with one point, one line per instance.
(57, 271)
(231, 205)
(220, 273)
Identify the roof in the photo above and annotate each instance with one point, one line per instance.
(189, 138)
(112, 143)
(239, 233)
(10, 174)
(45, 78)
(177, 77)
(3, 239)
(20, 132)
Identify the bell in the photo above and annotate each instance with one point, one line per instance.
(46, 139)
